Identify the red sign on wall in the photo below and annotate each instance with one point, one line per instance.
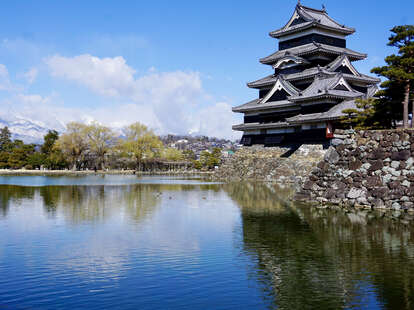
(329, 131)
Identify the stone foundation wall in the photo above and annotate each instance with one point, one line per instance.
(372, 169)
(277, 164)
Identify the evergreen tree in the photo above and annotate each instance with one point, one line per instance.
(5, 139)
(399, 69)
(49, 141)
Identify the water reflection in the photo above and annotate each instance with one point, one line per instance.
(194, 244)
(95, 203)
(309, 258)
(11, 194)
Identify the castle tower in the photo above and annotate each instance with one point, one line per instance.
(314, 80)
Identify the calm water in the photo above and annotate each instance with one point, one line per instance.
(166, 243)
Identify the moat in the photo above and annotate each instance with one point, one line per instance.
(129, 242)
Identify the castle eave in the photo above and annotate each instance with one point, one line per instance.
(255, 126)
(301, 27)
(313, 48)
(256, 106)
(326, 96)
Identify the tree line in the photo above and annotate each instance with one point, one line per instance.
(98, 147)
(392, 103)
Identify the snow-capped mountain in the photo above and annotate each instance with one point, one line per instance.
(28, 130)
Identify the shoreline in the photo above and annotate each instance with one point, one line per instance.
(22, 172)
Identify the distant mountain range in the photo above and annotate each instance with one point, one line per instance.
(33, 131)
(25, 129)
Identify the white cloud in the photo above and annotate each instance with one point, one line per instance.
(106, 76)
(31, 75)
(217, 121)
(170, 102)
(5, 83)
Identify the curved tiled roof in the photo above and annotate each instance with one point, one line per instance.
(310, 73)
(312, 48)
(253, 126)
(311, 18)
(289, 59)
(325, 87)
(255, 105)
(333, 114)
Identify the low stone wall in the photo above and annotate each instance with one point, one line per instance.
(372, 169)
(277, 164)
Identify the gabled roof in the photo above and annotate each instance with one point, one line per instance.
(309, 74)
(304, 17)
(322, 87)
(344, 61)
(312, 48)
(280, 84)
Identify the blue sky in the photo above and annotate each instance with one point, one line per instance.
(176, 66)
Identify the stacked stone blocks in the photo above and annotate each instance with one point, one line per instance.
(372, 169)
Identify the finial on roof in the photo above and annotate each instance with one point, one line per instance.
(299, 4)
(323, 8)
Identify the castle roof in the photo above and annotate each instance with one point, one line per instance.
(312, 48)
(253, 126)
(290, 60)
(258, 104)
(333, 114)
(310, 74)
(304, 18)
(322, 87)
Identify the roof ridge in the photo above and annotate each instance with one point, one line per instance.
(311, 9)
(322, 12)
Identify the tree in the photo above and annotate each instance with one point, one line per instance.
(4, 160)
(56, 159)
(100, 140)
(49, 141)
(36, 160)
(210, 160)
(5, 139)
(400, 68)
(189, 155)
(141, 143)
(367, 115)
(172, 154)
(73, 143)
(20, 154)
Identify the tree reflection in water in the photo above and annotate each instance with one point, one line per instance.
(13, 194)
(309, 258)
(89, 203)
(78, 204)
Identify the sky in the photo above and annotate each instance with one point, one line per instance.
(176, 66)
